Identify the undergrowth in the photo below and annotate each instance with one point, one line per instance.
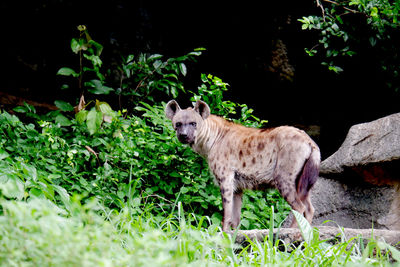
(38, 233)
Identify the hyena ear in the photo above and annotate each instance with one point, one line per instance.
(202, 108)
(171, 109)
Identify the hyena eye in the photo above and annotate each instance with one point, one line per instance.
(178, 124)
(193, 124)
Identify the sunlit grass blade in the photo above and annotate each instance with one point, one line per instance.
(305, 227)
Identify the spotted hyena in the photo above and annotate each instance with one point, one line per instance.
(248, 158)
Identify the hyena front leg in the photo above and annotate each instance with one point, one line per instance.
(237, 207)
(228, 202)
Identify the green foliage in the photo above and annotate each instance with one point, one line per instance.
(378, 26)
(144, 75)
(88, 51)
(212, 92)
(139, 78)
(331, 37)
(94, 118)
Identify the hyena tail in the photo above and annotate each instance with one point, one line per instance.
(309, 174)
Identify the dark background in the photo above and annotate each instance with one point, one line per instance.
(239, 38)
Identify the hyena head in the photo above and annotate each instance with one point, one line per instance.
(187, 122)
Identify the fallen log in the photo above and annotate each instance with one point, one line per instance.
(291, 235)
(11, 101)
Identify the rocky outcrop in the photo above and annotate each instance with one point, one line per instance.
(366, 146)
(354, 205)
(360, 184)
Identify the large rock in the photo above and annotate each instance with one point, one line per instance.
(367, 143)
(364, 174)
(353, 205)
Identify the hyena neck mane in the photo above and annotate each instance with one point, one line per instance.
(209, 134)
(213, 130)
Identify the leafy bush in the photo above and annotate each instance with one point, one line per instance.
(142, 77)
(377, 29)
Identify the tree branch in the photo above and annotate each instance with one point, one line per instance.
(336, 3)
(322, 9)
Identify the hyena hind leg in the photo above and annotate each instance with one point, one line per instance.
(298, 206)
(289, 193)
(309, 212)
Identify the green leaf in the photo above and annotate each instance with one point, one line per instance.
(20, 109)
(374, 12)
(67, 72)
(75, 47)
(184, 190)
(305, 227)
(3, 154)
(63, 106)
(154, 57)
(335, 27)
(335, 69)
(64, 86)
(197, 52)
(94, 120)
(36, 192)
(81, 115)
(62, 120)
(183, 69)
(99, 47)
(98, 88)
(157, 64)
(62, 192)
(105, 108)
(78, 45)
(96, 61)
(13, 188)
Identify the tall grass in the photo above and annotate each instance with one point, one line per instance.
(38, 233)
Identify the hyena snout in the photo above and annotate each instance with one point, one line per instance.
(185, 133)
(185, 139)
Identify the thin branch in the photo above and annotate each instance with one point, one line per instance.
(145, 78)
(322, 9)
(336, 3)
(88, 148)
